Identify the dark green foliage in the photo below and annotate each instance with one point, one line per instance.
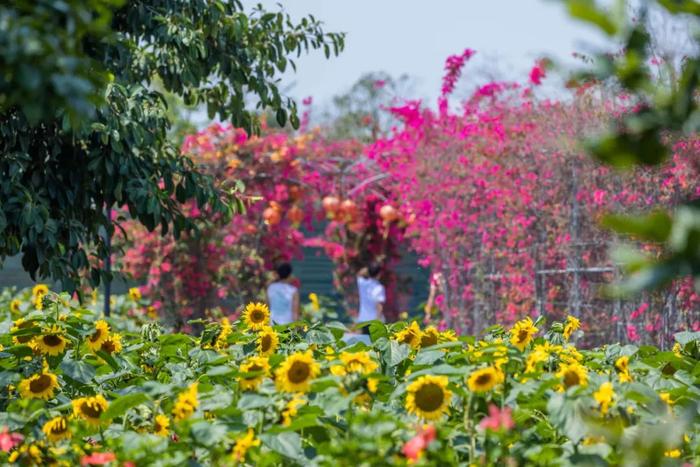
(84, 121)
(638, 138)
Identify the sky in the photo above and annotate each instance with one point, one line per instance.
(414, 37)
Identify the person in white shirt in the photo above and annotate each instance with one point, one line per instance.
(372, 295)
(283, 297)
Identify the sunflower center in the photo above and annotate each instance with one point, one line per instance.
(24, 339)
(299, 372)
(52, 340)
(91, 410)
(428, 339)
(108, 347)
(265, 343)
(252, 369)
(429, 397)
(571, 378)
(523, 335)
(96, 336)
(40, 383)
(257, 316)
(408, 338)
(483, 379)
(59, 427)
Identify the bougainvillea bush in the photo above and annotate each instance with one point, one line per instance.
(300, 190)
(78, 389)
(506, 204)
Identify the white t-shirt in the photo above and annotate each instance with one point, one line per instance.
(281, 297)
(371, 293)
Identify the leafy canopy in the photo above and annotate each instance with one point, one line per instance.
(83, 126)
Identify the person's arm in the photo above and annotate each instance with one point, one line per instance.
(295, 306)
(380, 311)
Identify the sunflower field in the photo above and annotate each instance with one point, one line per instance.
(79, 389)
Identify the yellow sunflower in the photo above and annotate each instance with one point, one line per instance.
(222, 339)
(572, 324)
(90, 408)
(50, 342)
(135, 294)
(522, 333)
(484, 379)
(39, 386)
(113, 344)
(572, 375)
(21, 324)
(40, 290)
(296, 372)
(14, 306)
(429, 337)
(100, 335)
(358, 362)
(410, 335)
(428, 397)
(27, 454)
(256, 316)
(161, 423)
(268, 341)
(257, 365)
(243, 444)
(622, 365)
(291, 409)
(57, 429)
(186, 402)
(604, 396)
(448, 335)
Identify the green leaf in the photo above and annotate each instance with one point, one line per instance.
(119, 406)
(587, 11)
(655, 226)
(208, 434)
(78, 370)
(287, 444)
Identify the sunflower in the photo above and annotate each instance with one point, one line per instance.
(522, 333)
(410, 335)
(428, 397)
(100, 335)
(429, 337)
(256, 316)
(186, 402)
(21, 324)
(27, 454)
(604, 396)
(113, 344)
(161, 423)
(484, 379)
(90, 408)
(296, 372)
(448, 335)
(14, 306)
(358, 362)
(40, 290)
(135, 294)
(243, 444)
(572, 324)
(291, 409)
(622, 365)
(257, 365)
(572, 375)
(267, 341)
(50, 342)
(225, 331)
(57, 429)
(39, 386)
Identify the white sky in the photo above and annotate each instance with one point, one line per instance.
(415, 37)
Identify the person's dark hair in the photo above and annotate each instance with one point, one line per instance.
(374, 269)
(284, 270)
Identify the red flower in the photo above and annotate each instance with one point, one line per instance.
(414, 447)
(498, 419)
(9, 440)
(98, 458)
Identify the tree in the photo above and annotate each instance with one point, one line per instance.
(84, 128)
